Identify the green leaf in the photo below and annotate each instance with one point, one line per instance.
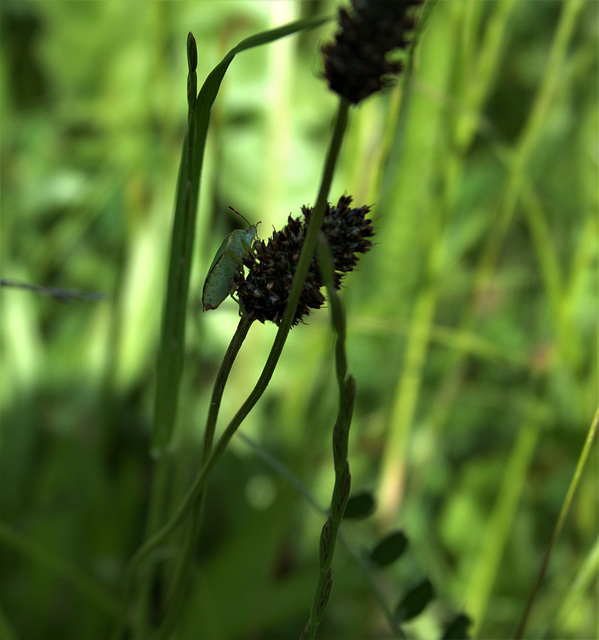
(414, 602)
(457, 629)
(388, 550)
(360, 505)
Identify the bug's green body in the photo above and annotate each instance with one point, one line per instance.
(227, 262)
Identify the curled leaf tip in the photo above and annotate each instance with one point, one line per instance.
(192, 53)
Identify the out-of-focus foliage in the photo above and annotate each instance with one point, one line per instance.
(471, 324)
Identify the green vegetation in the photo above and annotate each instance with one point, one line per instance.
(470, 328)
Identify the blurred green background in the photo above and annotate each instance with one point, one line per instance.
(472, 324)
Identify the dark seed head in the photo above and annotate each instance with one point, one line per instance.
(264, 293)
(356, 63)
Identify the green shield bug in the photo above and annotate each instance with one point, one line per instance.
(227, 262)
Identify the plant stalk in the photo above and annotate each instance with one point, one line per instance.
(342, 485)
(191, 537)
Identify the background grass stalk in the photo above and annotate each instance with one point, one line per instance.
(502, 517)
(529, 137)
(584, 454)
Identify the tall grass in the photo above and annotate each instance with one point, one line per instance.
(471, 326)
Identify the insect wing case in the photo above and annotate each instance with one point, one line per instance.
(227, 262)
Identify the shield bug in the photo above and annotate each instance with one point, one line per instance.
(227, 262)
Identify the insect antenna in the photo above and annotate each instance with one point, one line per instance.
(240, 215)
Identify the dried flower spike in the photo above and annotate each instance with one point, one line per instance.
(356, 64)
(264, 293)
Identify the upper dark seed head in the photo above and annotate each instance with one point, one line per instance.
(356, 63)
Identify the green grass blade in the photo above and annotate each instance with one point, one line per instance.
(559, 525)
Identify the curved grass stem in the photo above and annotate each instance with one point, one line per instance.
(341, 487)
(191, 536)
